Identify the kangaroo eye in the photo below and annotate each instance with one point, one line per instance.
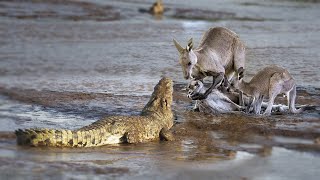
(189, 64)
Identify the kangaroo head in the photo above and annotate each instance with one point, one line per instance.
(187, 59)
(236, 82)
(195, 86)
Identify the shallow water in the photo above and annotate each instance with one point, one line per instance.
(67, 65)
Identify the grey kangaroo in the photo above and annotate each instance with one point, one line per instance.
(220, 55)
(269, 82)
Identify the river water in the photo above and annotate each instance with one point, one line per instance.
(67, 64)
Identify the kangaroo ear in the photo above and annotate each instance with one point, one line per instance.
(190, 45)
(178, 46)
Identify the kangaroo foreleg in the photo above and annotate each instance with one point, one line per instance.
(225, 84)
(258, 104)
(240, 73)
(216, 81)
(241, 101)
(251, 104)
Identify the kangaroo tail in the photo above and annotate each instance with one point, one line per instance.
(64, 138)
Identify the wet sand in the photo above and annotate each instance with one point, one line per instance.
(66, 64)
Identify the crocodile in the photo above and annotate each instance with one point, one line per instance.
(152, 124)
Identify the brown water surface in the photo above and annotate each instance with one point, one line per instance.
(66, 64)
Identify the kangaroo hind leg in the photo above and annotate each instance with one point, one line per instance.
(291, 98)
(275, 88)
(239, 58)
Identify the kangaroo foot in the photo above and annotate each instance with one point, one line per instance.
(267, 113)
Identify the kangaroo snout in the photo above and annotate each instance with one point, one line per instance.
(188, 76)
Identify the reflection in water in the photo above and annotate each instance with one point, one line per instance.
(67, 65)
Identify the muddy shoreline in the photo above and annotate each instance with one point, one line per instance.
(66, 64)
(240, 124)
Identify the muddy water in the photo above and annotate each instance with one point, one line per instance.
(65, 65)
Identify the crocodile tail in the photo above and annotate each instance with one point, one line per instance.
(44, 137)
(67, 138)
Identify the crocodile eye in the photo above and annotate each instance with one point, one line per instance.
(189, 64)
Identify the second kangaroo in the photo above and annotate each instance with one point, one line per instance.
(269, 82)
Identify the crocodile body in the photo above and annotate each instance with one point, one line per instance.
(156, 118)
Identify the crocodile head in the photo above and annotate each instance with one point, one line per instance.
(160, 102)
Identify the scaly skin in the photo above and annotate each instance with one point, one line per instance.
(155, 120)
